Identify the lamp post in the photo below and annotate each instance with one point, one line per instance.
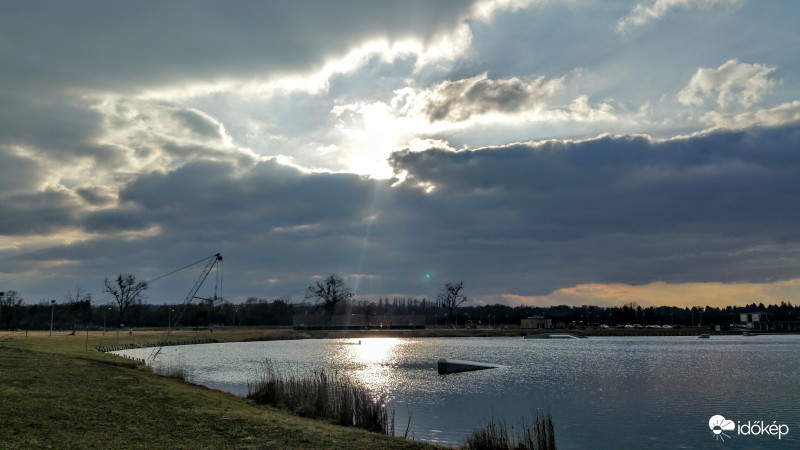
(2, 296)
(52, 307)
(169, 319)
(105, 311)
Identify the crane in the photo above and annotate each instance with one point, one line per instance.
(211, 261)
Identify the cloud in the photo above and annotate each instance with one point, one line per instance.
(732, 82)
(644, 13)
(18, 171)
(459, 100)
(580, 110)
(785, 113)
(700, 208)
(99, 46)
(166, 132)
(524, 219)
(42, 212)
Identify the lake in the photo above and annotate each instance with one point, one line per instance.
(604, 392)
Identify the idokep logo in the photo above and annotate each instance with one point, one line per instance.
(719, 425)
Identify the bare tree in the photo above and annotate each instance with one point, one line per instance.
(11, 301)
(127, 291)
(330, 292)
(11, 298)
(369, 311)
(450, 297)
(78, 300)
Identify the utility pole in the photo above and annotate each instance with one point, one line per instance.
(105, 310)
(52, 306)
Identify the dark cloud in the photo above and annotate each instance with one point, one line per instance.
(112, 181)
(707, 208)
(459, 100)
(96, 196)
(725, 182)
(200, 124)
(109, 221)
(33, 213)
(61, 123)
(17, 172)
(523, 219)
(265, 196)
(121, 46)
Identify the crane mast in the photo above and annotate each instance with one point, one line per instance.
(203, 275)
(212, 261)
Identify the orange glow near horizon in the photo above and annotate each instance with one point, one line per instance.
(666, 294)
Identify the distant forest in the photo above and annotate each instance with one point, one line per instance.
(80, 314)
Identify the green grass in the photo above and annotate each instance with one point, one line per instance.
(54, 393)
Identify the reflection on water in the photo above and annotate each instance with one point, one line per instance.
(372, 362)
(602, 392)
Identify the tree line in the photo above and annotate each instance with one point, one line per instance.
(78, 311)
(16, 314)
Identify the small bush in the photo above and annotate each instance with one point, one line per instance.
(535, 434)
(322, 395)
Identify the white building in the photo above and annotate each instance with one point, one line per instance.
(752, 320)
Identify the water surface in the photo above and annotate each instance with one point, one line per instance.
(610, 392)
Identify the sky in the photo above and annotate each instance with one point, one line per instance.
(544, 152)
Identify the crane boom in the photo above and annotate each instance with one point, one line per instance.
(212, 261)
(203, 275)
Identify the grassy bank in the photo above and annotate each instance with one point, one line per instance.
(55, 393)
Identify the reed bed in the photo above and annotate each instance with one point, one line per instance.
(318, 394)
(173, 369)
(530, 434)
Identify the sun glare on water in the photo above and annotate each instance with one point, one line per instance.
(371, 361)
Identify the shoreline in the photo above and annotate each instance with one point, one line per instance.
(190, 336)
(60, 392)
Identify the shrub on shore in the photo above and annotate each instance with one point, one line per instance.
(535, 434)
(175, 370)
(323, 395)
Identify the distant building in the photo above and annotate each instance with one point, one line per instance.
(752, 320)
(759, 321)
(536, 322)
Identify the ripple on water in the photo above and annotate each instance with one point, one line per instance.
(602, 392)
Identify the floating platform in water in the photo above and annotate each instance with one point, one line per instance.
(555, 336)
(457, 365)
